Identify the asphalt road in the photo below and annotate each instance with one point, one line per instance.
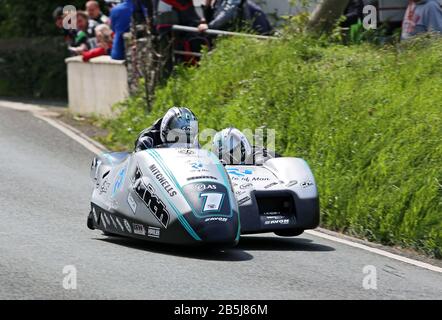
(44, 200)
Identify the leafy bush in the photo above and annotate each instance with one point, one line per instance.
(33, 68)
(367, 120)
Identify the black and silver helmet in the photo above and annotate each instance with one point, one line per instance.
(231, 146)
(179, 125)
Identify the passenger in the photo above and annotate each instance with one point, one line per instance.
(179, 126)
(232, 147)
(421, 16)
(232, 14)
(104, 43)
(94, 12)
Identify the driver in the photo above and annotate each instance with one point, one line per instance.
(232, 147)
(179, 125)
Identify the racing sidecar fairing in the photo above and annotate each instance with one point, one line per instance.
(279, 196)
(164, 195)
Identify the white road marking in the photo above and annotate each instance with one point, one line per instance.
(374, 250)
(96, 148)
(68, 130)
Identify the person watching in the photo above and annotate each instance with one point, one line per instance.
(104, 43)
(94, 12)
(421, 16)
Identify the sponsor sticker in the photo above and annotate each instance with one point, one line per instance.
(162, 180)
(186, 151)
(307, 184)
(246, 186)
(205, 186)
(127, 225)
(132, 203)
(153, 202)
(279, 221)
(244, 200)
(153, 232)
(104, 187)
(139, 229)
(271, 185)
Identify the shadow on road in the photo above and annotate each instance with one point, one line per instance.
(194, 253)
(281, 244)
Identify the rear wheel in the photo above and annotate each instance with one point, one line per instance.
(289, 232)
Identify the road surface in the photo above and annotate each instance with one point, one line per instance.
(44, 200)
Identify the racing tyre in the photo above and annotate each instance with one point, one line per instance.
(289, 232)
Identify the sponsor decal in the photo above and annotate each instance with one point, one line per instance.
(240, 192)
(238, 172)
(271, 213)
(246, 186)
(132, 203)
(292, 183)
(202, 177)
(153, 202)
(220, 219)
(162, 180)
(119, 223)
(153, 232)
(139, 229)
(205, 186)
(270, 185)
(186, 151)
(307, 184)
(119, 181)
(104, 187)
(244, 200)
(127, 225)
(279, 221)
(196, 165)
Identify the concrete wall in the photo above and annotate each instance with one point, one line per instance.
(93, 87)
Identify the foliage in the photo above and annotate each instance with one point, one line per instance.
(33, 68)
(366, 119)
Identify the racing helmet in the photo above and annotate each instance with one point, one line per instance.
(231, 146)
(179, 125)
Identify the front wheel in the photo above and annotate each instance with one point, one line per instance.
(289, 232)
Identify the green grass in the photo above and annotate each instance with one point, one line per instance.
(366, 119)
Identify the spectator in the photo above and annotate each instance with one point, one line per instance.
(421, 16)
(85, 34)
(85, 24)
(104, 43)
(69, 35)
(231, 14)
(120, 18)
(94, 12)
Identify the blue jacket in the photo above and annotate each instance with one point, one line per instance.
(120, 16)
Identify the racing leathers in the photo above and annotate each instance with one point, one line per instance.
(150, 137)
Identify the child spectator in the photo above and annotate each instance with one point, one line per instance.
(104, 43)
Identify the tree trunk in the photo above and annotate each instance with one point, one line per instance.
(325, 15)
